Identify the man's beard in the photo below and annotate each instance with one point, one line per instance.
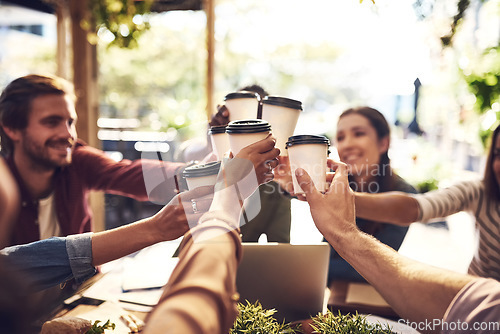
(40, 155)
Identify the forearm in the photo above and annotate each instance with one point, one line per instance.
(116, 243)
(392, 207)
(229, 200)
(415, 291)
(8, 212)
(199, 297)
(9, 204)
(49, 262)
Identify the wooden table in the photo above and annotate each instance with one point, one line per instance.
(337, 302)
(82, 306)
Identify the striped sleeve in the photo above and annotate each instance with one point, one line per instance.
(441, 203)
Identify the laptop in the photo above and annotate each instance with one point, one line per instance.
(288, 278)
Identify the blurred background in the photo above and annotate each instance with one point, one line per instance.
(431, 67)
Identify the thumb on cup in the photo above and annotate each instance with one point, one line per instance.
(305, 181)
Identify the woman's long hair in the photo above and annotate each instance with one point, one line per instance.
(490, 182)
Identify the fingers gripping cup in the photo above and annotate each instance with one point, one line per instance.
(308, 152)
(242, 105)
(220, 140)
(282, 113)
(246, 132)
(201, 175)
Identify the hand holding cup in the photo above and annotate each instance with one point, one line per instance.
(259, 157)
(175, 218)
(221, 118)
(308, 152)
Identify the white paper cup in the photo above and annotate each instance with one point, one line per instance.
(282, 113)
(243, 133)
(219, 140)
(308, 152)
(201, 175)
(242, 105)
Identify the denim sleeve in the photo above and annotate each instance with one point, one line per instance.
(79, 249)
(49, 262)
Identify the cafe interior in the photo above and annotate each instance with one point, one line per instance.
(151, 75)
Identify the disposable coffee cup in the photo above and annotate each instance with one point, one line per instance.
(219, 140)
(245, 132)
(201, 175)
(308, 152)
(282, 113)
(242, 105)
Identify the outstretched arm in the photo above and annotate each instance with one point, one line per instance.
(170, 223)
(200, 296)
(49, 262)
(392, 207)
(9, 203)
(415, 291)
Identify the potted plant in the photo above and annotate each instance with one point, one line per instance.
(254, 319)
(338, 323)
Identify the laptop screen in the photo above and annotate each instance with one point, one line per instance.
(289, 278)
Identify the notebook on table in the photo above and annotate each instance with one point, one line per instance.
(289, 278)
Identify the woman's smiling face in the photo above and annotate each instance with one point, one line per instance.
(358, 144)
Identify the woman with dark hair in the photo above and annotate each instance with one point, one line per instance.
(479, 197)
(492, 172)
(362, 141)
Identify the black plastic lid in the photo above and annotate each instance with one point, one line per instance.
(248, 126)
(307, 139)
(210, 168)
(242, 95)
(217, 129)
(283, 102)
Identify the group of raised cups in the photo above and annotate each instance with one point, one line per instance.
(252, 119)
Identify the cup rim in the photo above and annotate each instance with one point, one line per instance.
(282, 102)
(248, 126)
(207, 169)
(307, 139)
(243, 94)
(217, 129)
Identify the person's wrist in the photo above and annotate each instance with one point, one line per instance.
(155, 230)
(222, 219)
(342, 236)
(226, 200)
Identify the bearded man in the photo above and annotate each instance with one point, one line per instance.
(55, 171)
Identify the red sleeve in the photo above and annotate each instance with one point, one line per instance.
(143, 179)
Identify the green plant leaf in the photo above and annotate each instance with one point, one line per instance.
(96, 329)
(254, 319)
(330, 323)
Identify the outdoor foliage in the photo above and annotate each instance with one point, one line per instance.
(161, 82)
(484, 81)
(122, 18)
(427, 185)
(462, 6)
